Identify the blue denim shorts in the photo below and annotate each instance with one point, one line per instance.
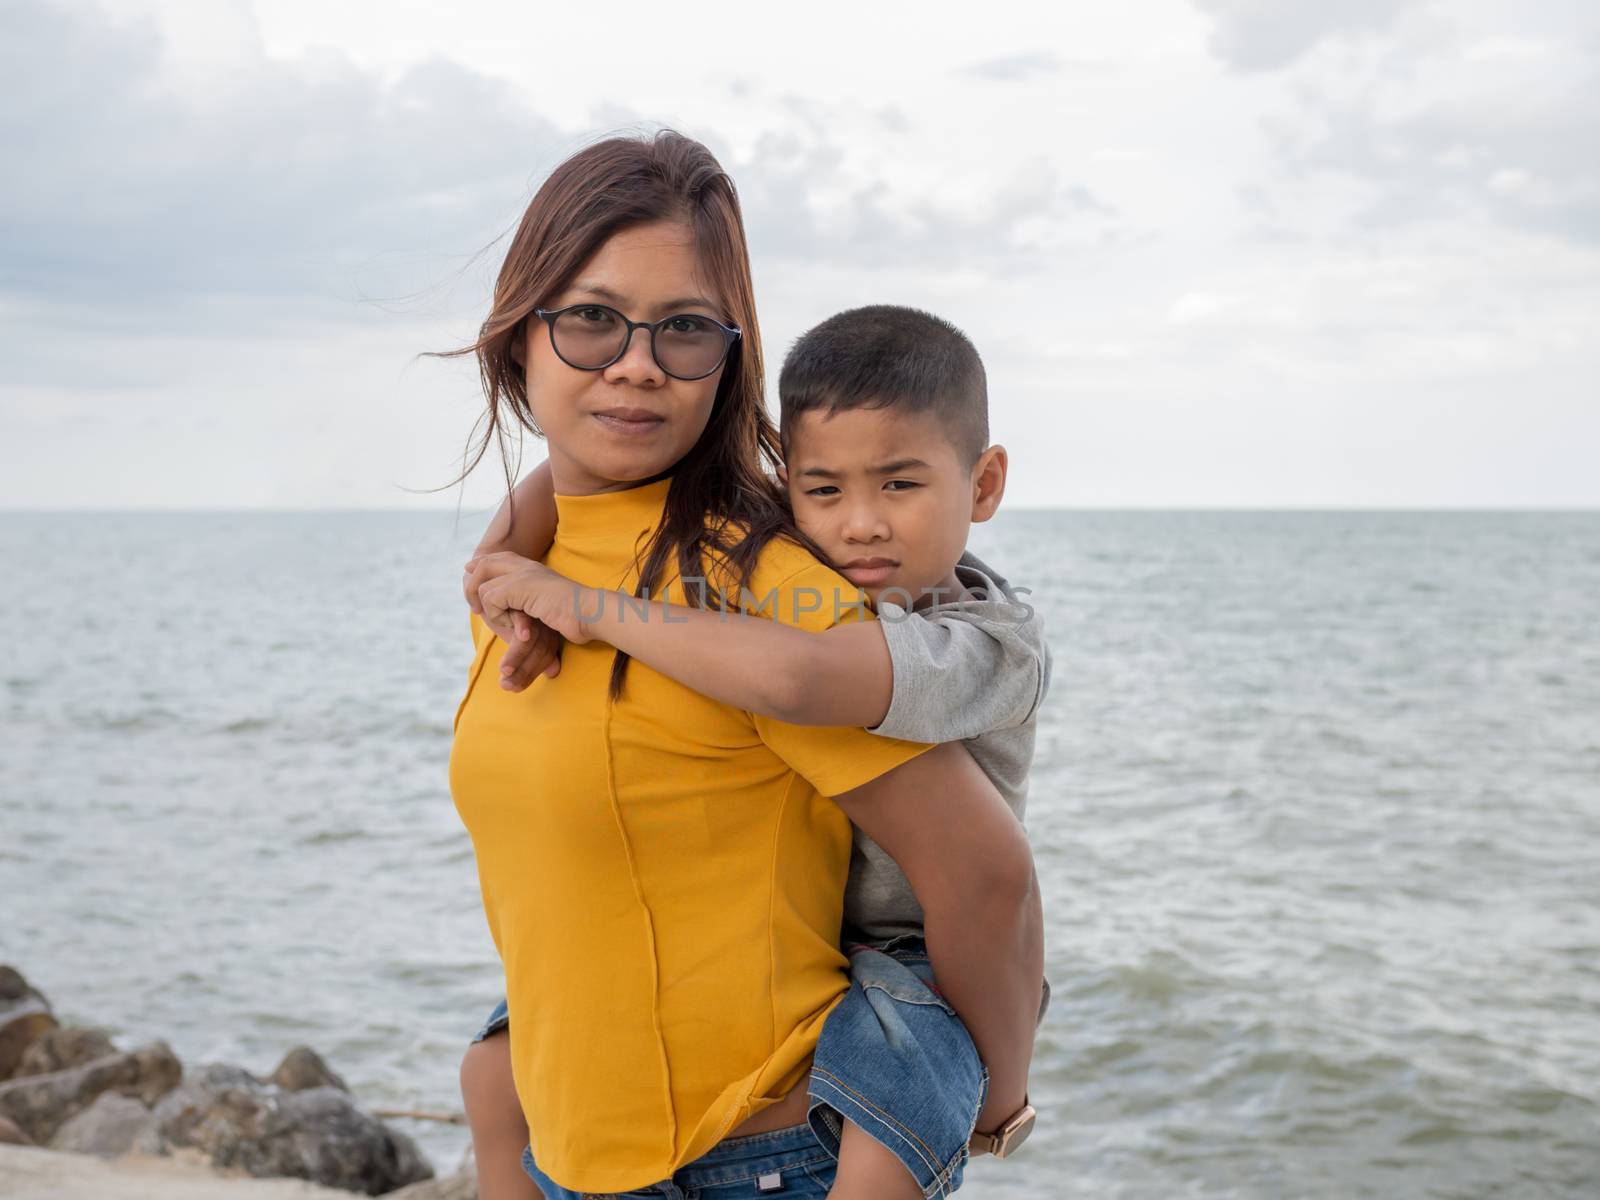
(896, 1060)
(788, 1163)
(499, 1019)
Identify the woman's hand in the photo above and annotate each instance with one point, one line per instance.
(525, 661)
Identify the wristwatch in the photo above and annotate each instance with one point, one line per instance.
(1013, 1131)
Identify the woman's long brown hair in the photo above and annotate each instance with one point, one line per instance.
(724, 501)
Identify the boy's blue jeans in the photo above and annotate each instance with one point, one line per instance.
(893, 1057)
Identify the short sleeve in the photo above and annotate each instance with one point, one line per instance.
(833, 759)
(958, 675)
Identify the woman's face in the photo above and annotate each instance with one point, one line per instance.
(645, 272)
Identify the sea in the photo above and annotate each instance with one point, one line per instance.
(1315, 806)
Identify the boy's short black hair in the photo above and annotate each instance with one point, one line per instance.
(888, 356)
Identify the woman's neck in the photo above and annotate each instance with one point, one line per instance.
(617, 516)
(567, 478)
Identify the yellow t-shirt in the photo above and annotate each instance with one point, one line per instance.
(663, 875)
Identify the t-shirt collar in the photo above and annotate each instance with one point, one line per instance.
(624, 513)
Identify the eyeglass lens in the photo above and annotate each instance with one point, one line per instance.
(687, 346)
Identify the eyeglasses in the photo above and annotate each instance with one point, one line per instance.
(591, 337)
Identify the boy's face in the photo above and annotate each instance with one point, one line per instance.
(883, 484)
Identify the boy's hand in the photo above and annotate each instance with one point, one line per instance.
(506, 583)
(532, 648)
(530, 607)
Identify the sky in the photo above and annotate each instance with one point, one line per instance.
(1214, 253)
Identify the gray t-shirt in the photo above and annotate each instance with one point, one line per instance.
(975, 669)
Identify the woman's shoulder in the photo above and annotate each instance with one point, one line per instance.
(782, 562)
(790, 584)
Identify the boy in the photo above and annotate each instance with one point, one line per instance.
(884, 431)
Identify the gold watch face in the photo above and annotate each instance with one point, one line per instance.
(1014, 1134)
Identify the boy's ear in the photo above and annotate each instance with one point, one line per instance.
(988, 482)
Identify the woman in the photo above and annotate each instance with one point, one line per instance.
(662, 874)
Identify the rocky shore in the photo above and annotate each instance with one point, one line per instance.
(81, 1118)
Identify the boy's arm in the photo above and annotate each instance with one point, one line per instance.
(841, 675)
(970, 867)
(838, 676)
(960, 674)
(905, 676)
(533, 501)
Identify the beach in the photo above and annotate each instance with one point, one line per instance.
(31, 1173)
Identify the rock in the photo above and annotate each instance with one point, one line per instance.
(114, 1124)
(24, 1016)
(11, 1134)
(41, 1104)
(317, 1133)
(12, 984)
(461, 1185)
(303, 1068)
(63, 1048)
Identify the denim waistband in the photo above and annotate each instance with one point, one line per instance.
(734, 1160)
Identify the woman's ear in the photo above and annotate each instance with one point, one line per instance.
(517, 336)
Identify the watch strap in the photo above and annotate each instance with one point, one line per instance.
(993, 1143)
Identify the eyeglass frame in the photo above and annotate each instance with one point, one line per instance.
(730, 335)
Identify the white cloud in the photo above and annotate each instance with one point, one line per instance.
(1263, 35)
(289, 179)
(1459, 116)
(1017, 66)
(1255, 254)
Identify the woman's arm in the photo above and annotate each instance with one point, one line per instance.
(531, 650)
(970, 867)
(534, 502)
(838, 676)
